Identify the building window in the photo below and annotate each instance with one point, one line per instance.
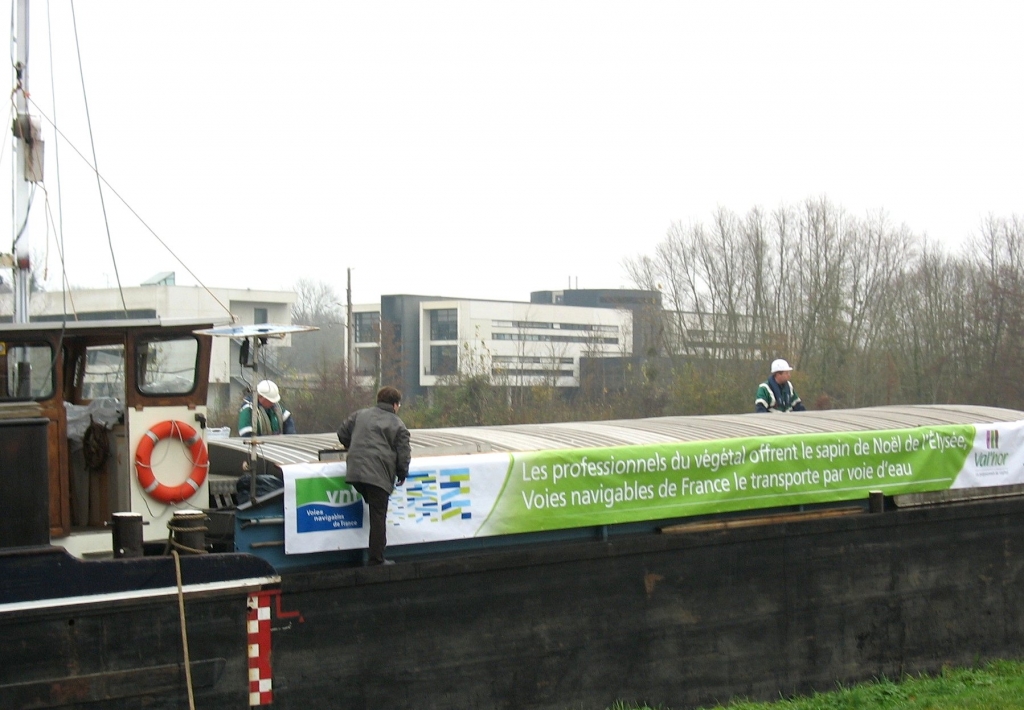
(588, 327)
(544, 325)
(367, 362)
(444, 359)
(518, 372)
(530, 360)
(444, 324)
(259, 316)
(367, 327)
(540, 338)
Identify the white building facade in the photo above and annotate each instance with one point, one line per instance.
(510, 343)
(516, 344)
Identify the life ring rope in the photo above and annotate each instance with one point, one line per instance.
(198, 454)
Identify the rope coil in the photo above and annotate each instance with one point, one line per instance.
(187, 532)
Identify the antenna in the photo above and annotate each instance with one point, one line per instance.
(349, 332)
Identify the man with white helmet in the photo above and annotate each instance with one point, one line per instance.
(269, 417)
(777, 393)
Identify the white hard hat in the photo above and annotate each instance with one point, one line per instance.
(268, 390)
(779, 365)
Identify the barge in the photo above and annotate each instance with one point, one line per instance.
(675, 561)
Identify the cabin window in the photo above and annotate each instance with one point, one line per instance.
(27, 372)
(167, 366)
(104, 372)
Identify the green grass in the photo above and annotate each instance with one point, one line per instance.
(995, 686)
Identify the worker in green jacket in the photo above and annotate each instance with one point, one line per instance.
(270, 416)
(777, 393)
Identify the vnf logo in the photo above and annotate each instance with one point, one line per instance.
(323, 504)
(992, 439)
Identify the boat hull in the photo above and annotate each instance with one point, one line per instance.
(79, 633)
(671, 620)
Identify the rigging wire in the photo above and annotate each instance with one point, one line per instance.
(3, 152)
(59, 228)
(65, 283)
(130, 208)
(28, 210)
(3, 144)
(92, 143)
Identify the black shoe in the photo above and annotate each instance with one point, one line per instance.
(380, 562)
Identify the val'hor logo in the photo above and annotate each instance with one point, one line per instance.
(992, 439)
(326, 504)
(991, 459)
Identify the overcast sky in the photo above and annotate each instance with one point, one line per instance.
(487, 149)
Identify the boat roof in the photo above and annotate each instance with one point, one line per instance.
(85, 326)
(303, 448)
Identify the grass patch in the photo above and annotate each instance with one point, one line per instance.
(999, 684)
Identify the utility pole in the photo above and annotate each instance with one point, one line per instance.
(350, 332)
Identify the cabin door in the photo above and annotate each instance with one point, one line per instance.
(167, 404)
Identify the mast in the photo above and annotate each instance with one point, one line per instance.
(28, 166)
(22, 263)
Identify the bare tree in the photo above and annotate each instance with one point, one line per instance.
(320, 396)
(316, 303)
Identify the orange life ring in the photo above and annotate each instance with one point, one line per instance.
(200, 461)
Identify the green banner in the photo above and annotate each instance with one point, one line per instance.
(550, 490)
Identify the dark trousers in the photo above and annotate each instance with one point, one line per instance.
(377, 499)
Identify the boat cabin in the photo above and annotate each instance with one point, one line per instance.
(76, 400)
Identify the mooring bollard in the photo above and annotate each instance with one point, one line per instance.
(188, 532)
(126, 534)
(876, 501)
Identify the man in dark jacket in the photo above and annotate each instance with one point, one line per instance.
(378, 456)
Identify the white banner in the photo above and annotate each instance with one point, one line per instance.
(997, 458)
(444, 498)
(460, 497)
